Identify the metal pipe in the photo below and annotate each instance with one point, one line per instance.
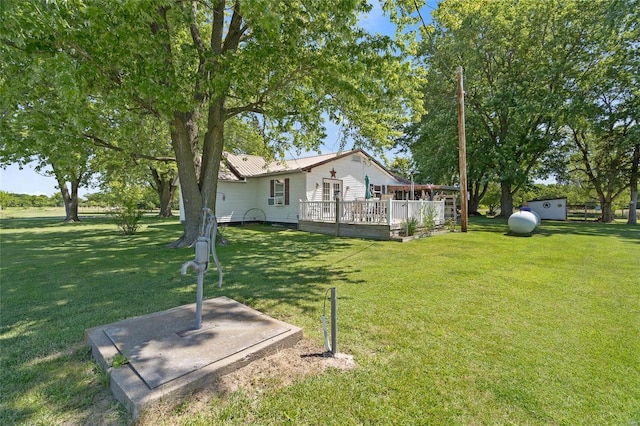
(186, 266)
(200, 269)
(334, 321)
(214, 234)
(199, 300)
(205, 244)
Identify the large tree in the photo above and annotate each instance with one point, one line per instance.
(433, 142)
(602, 113)
(289, 63)
(51, 117)
(136, 145)
(517, 57)
(39, 123)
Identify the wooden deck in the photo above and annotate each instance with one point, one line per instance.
(371, 219)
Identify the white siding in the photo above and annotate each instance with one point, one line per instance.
(283, 213)
(234, 199)
(551, 209)
(351, 173)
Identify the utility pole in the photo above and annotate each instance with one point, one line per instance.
(462, 155)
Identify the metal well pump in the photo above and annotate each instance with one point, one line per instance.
(205, 244)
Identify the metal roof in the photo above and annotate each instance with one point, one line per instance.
(252, 165)
(225, 173)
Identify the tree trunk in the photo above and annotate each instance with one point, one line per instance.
(70, 205)
(184, 139)
(212, 153)
(506, 200)
(473, 206)
(166, 199)
(163, 184)
(478, 190)
(633, 204)
(606, 204)
(607, 211)
(197, 193)
(70, 198)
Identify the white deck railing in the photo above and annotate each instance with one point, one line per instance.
(373, 212)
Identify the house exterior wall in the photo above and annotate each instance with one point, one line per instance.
(235, 198)
(351, 173)
(232, 201)
(550, 209)
(283, 213)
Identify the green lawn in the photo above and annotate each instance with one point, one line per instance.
(475, 328)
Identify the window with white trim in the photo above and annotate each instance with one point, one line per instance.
(279, 192)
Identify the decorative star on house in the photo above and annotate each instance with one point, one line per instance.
(333, 172)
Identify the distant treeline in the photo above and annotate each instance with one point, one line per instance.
(8, 199)
(26, 200)
(99, 199)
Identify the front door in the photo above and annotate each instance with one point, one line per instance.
(331, 188)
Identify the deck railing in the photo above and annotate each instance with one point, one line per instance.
(373, 212)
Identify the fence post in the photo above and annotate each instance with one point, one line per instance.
(407, 216)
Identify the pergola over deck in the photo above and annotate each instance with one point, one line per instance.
(414, 191)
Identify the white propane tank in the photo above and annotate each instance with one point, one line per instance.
(537, 217)
(522, 222)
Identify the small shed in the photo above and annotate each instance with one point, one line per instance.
(550, 208)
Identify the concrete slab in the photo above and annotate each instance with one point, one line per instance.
(168, 359)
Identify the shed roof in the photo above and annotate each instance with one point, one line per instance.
(547, 199)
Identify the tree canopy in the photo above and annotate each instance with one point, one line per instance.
(289, 65)
(602, 113)
(523, 63)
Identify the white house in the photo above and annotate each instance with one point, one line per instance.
(550, 209)
(251, 188)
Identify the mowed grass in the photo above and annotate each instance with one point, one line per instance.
(459, 328)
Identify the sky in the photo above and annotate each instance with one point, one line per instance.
(26, 180)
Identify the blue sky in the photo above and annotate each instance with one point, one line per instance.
(28, 181)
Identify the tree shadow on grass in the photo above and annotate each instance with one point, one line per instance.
(549, 228)
(60, 279)
(57, 384)
(276, 266)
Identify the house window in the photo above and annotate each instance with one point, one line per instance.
(377, 190)
(279, 192)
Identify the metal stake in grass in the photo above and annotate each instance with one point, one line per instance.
(333, 347)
